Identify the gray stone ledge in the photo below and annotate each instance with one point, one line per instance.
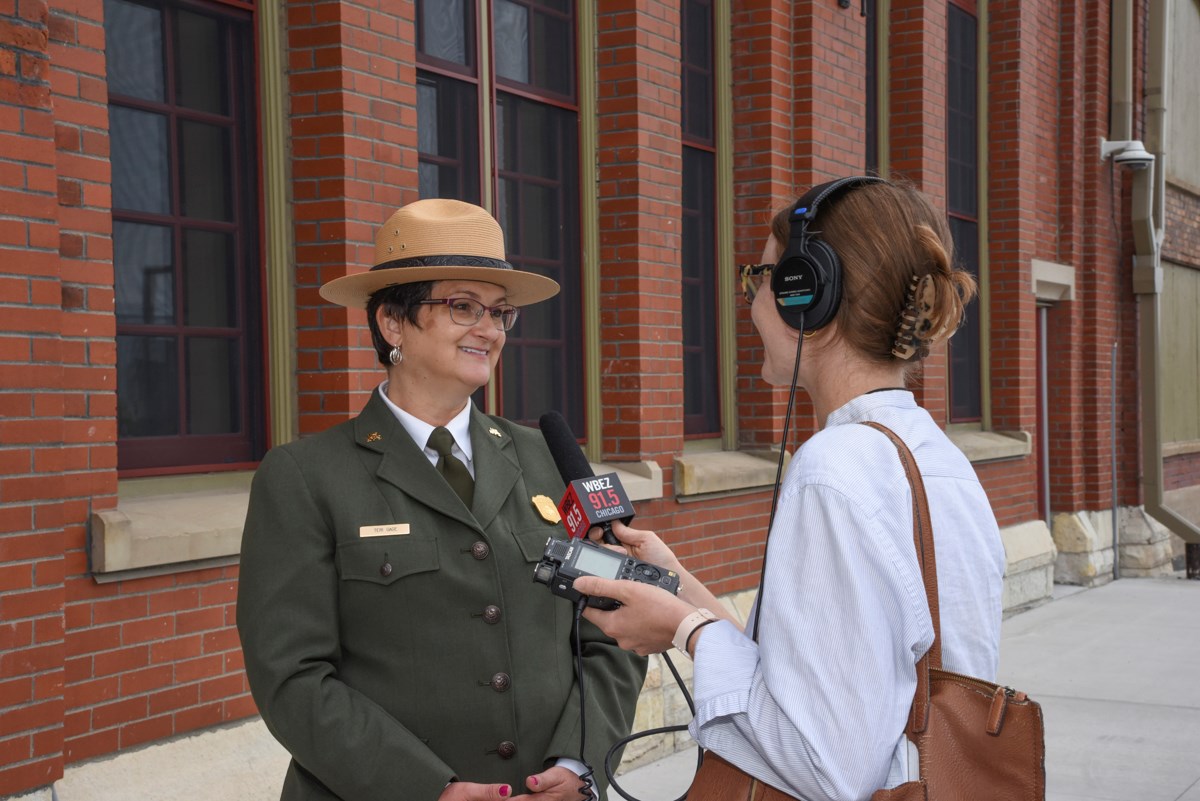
(989, 446)
(642, 480)
(176, 520)
(724, 471)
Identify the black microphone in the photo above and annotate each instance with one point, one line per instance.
(589, 500)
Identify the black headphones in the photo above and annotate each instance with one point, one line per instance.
(807, 280)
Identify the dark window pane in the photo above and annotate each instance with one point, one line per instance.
(539, 151)
(134, 50)
(538, 208)
(697, 31)
(210, 279)
(962, 159)
(205, 168)
(429, 180)
(189, 366)
(553, 66)
(147, 386)
(522, 391)
(443, 29)
(508, 210)
(140, 178)
(965, 377)
(541, 222)
(213, 390)
(697, 73)
(511, 36)
(539, 321)
(201, 61)
(447, 138)
(701, 383)
(145, 274)
(428, 141)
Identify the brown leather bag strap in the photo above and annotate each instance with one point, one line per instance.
(923, 541)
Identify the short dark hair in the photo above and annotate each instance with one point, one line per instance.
(399, 301)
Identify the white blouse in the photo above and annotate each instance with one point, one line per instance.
(818, 706)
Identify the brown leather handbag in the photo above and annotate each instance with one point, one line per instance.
(978, 741)
(718, 780)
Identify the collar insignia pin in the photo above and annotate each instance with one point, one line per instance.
(374, 437)
(495, 433)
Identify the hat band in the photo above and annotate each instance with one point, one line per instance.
(445, 261)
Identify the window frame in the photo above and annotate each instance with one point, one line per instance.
(490, 87)
(968, 210)
(705, 419)
(182, 452)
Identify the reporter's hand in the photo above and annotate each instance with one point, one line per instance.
(473, 791)
(647, 618)
(557, 784)
(641, 544)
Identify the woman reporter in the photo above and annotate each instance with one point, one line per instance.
(394, 640)
(816, 704)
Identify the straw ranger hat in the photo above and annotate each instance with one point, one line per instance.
(436, 240)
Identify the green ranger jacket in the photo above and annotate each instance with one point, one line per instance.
(395, 640)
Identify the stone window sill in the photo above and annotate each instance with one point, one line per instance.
(164, 525)
(989, 446)
(642, 480)
(168, 524)
(724, 471)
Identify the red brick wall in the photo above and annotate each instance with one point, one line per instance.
(917, 139)
(352, 90)
(87, 669)
(764, 179)
(1022, 89)
(639, 162)
(36, 360)
(149, 658)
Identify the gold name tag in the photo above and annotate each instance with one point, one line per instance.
(390, 530)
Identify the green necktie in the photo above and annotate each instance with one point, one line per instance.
(454, 471)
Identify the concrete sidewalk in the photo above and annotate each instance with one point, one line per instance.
(1116, 669)
(1117, 672)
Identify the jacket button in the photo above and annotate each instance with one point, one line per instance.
(385, 569)
(491, 614)
(480, 550)
(506, 750)
(500, 683)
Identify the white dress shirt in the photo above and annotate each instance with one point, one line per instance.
(419, 430)
(818, 706)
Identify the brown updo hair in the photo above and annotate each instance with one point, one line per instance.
(885, 235)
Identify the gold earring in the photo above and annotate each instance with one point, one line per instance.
(809, 334)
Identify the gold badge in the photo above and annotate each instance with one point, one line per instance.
(495, 433)
(374, 437)
(546, 508)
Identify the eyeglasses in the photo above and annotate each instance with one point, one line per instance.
(465, 311)
(753, 276)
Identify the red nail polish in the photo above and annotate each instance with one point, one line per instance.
(533, 780)
(504, 791)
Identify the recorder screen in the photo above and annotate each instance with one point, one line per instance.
(599, 562)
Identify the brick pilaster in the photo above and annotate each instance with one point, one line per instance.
(352, 85)
(37, 358)
(640, 159)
